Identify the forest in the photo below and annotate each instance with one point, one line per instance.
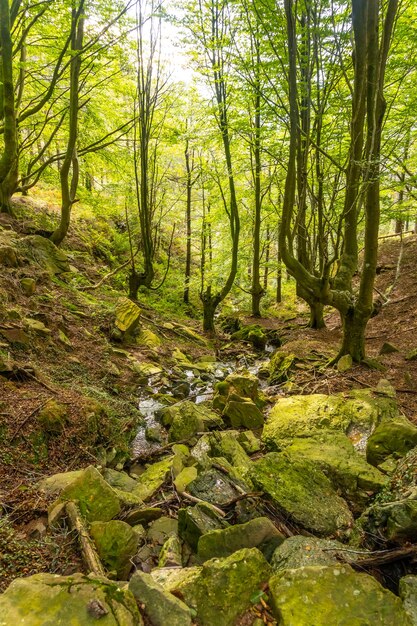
(208, 365)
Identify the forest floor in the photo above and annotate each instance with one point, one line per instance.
(89, 366)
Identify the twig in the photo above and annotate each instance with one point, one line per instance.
(382, 557)
(26, 419)
(54, 391)
(188, 496)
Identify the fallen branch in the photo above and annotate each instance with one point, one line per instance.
(88, 549)
(188, 496)
(380, 557)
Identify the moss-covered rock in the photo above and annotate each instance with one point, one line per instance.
(335, 595)
(171, 553)
(222, 590)
(148, 339)
(160, 606)
(334, 453)
(254, 334)
(44, 253)
(356, 415)
(119, 480)
(303, 492)
(116, 544)
(280, 366)
(193, 522)
(152, 479)
(408, 594)
(97, 501)
(185, 477)
(54, 484)
(46, 599)
(249, 442)
(52, 417)
(394, 438)
(127, 316)
(223, 542)
(300, 551)
(243, 413)
(28, 286)
(215, 487)
(186, 420)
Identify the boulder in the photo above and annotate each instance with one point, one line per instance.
(127, 316)
(54, 484)
(243, 413)
(222, 590)
(152, 479)
(193, 522)
(52, 417)
(9, 256)
(44, 253)
(408, 594)
(302, 491)
(300, 551)
(253, 333)
(161, 529)
(215, 487)
(96, 500)
(187, 421)
(159, 606)
(148, 339)
(280, 366)
(249, 442)
(116, 544)
(119, 480)
(77, 600)
(28, 286)
(223, 542)
(171, 553)
(336, 595)
(356, 415)
(334, 453)
(391, 438)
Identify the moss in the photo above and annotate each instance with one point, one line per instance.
(152, 479)
(96, 499)
(53, 417)
(394, 437)
(116, 543)
(279, 367)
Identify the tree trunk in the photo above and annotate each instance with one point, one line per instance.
(9, 157)
(210, 304)
(186, 296)
(257, 290)
(316, 315)
(354, 326)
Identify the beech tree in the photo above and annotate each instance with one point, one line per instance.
(372, 27)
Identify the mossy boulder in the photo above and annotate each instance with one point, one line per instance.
(96, 500)
(303, 492)
(222, 590)
(44, 253)
(280, 365)
(28, 286)
(254, 334)
(223, 542)
(225, 444)
(186, 420)
(216, 487)
(52, 417)
(152, 479)
(127, 317)
(119, 480)
(116, 544)
(171, 553)
(9, 256)
(300, 551)
(355, 414)
(47, 599)
(336, 595)
(148, 339)
(334, 453)
(193, 522)
(159, 606)
(54, 484)
(243, 413)
(391, 438)
(408, 594)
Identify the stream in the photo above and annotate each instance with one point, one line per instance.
(191, 384)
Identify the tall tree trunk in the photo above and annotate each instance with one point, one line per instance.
(69, 184)
(9, 158)
(186, 296)
(257, 290)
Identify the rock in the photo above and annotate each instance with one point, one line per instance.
(299, 551)
(172, 577)
(170, 555)
(186, 422)
(9, 256)
(57, 482)
(161, 529)
(37, 327)
(155, 434)
(96, 499)
(243, 413)
(116, 544)
(412, 355)
(16, 336)
(279, 367)
(225, 444)
(385, 388)
(214, 486)
(408, 594)
(394, 437)
(6, 366)
(222, 590)
(148, 339)
(160, 606)
(303, 492)
(394, 514)
(62, 337)
(44, 253)
(196, 521)
(350, 474)
(52, 417)
(335, 595)
(80, 600)
(249, 442)
(146, 370)
(223, 542)
(119, 480)
(388, 348)
(344, 363)
(302, 416)
(152, 479)
(253, 333)
(127, 317)
(28, 286)
(185, 477)
(142, 515)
